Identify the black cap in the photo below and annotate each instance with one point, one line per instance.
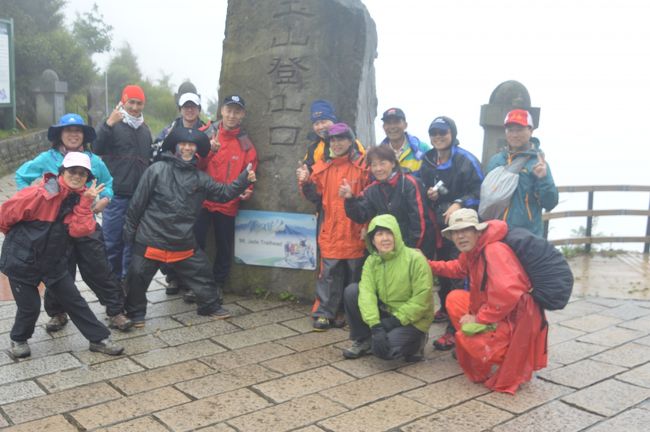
(235, 99)
(393, 112)
(183, 134)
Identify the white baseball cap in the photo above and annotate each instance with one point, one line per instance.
(76, 159)
(189, 97)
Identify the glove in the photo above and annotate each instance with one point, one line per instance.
(471, 329)
(379, 343)
(390, 323)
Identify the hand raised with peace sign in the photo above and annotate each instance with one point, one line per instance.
(539, 169)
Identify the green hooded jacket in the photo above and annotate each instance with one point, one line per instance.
(401, 280)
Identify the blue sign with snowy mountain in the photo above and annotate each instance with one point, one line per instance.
(276, 239)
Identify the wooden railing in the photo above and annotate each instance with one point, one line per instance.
(590, 213)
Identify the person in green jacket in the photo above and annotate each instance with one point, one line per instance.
(389, 311)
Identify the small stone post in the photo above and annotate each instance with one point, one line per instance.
(50, 98)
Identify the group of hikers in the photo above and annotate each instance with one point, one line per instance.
(391, 218)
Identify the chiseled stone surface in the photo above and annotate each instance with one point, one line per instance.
(639, 376)
(299, 362)
(559, 333)
(254, 336)
(132, 346)
(86, 375)
(581, 374)
(56, 423)
(572, 351)
(366, 366)
(431, 371)
(31, 368)
(302, 383)
(19, 391)
(245, 356)
(183, 335)
(443, 394)
(226, 381)
(143, 424)
(629, 355)
(129, 407)
(268, 316)
(313, 340)
(553, 417)
(530, 395)
(259, 304)
(634, 420)
(608, 398)
(289, 415)
(612, 336)
(177, 354)
(592, 322)
(212, 410)
(472, 416)
(372, 388)
(379, 416)
(161, 377)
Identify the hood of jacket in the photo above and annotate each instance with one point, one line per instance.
(388, 222)
(495, 231)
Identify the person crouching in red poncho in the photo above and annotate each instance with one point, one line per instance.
(501, 336)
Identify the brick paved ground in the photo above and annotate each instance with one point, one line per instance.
(264, 370)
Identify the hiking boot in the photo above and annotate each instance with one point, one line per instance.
(220, 313)
(138, 324)
(120, 322)
(440, 317)
(321, 324)
(419, 354)
(189, 297)
(359, 348)
(339, 321)
(445, 342)
(57, 322)
(20, 349)
(172, 287)
(106, 346)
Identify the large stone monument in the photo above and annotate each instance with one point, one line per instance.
(506, 96)
(50, 98)
(280, 55)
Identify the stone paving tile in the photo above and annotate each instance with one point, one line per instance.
(311, 428)
(5, 359)
(608, 398)
(431, 371)
(128, 408)
(131, 346)
(56, 423)
(221, 427)
(268, 316)
(627, 311)
(301, 325)
(581, 374)
(303, 383)
(471, 416)
(87, 375)
(143, 424)
(222, 382)
(628, 355)
(380, 416)
(446, 393)
(530, 395)
(153, 326)
(212, 410)
(58, 403)
(73, 342)
(183, 335)
(177, 354)
(643, 340)
(254, 336)
(3, 422)
(366, 366)
(360, 392)
(572, 351)
(161, 377)
(299, 362)
(641, 324)
(576, 308)
(31, 368)
(257, 305)
(173, 307)
(192, 318)
(612, 336)
(8, 311)
(634, 420)
(591, 323)
(19, 391)
(245, 356)
(639, 376)
(313, 340)
(607, 302)
(558, 334)
(289, 415)
(553, 417)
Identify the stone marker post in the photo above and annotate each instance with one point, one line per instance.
(506, 96)
(50, 98)
(280, 55)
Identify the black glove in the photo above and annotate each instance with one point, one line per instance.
(380, 345)
(390, 323)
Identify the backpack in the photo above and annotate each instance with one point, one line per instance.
(548, 270)
(497, 188)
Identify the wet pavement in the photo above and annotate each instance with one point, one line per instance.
(265, 370)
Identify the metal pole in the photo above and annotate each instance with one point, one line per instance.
(590, 206)
(646, 246)
(106, 91)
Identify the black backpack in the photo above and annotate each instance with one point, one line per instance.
(547, 269)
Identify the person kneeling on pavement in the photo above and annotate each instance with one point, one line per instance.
(160, 223)
(389, 311)
(38, 222)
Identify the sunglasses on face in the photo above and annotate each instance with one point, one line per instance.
(438, 132)
(81, 172)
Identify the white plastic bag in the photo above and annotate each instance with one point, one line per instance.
(497, 189)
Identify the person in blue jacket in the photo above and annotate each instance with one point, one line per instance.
(71, 134)
(536, 189)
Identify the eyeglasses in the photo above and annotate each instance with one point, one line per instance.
(78, 171)
(438, 132)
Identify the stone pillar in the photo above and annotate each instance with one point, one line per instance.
(280, 55)
(506, 96)
(186, 87)
(96, 99)
(50, 94)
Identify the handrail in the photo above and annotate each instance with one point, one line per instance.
(590, 213)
